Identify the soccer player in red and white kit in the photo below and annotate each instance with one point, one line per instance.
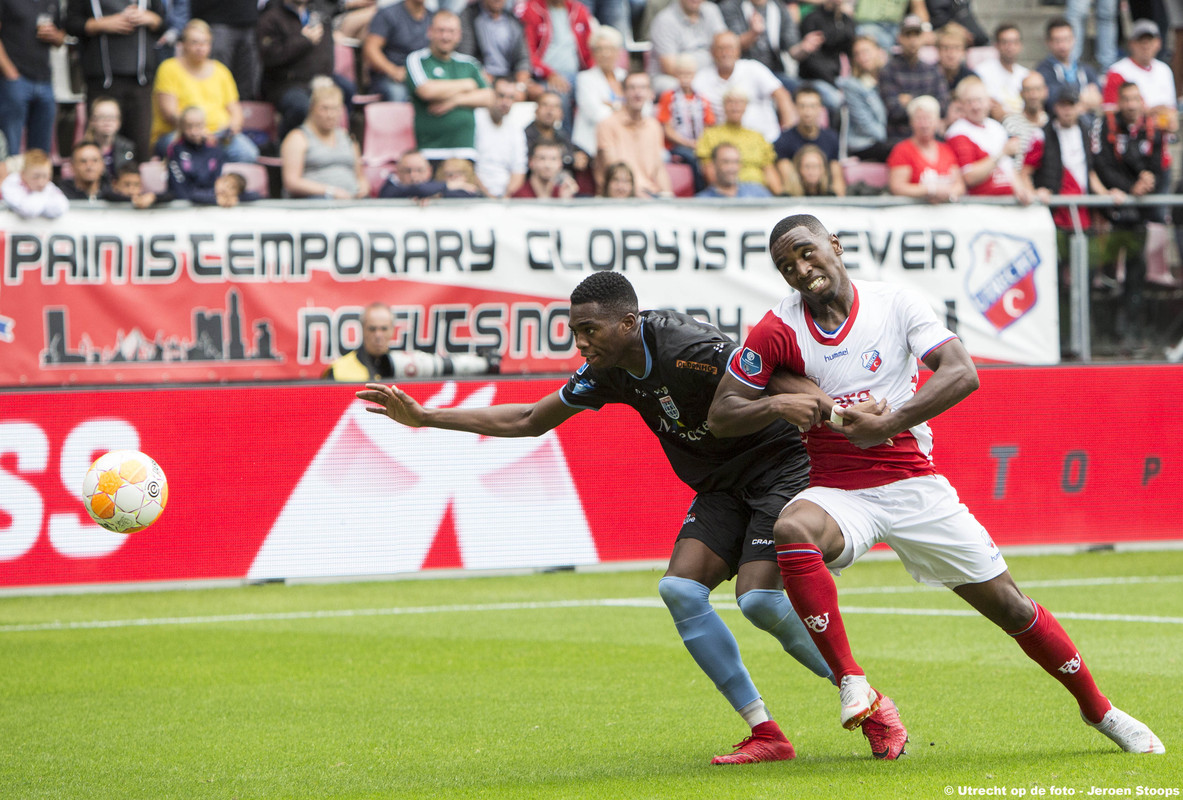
(872, 478)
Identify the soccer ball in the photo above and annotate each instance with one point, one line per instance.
(124, 491)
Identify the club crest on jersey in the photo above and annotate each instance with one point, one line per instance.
(667, 405)
(871, 360)
(1001, 277)
(750, 362)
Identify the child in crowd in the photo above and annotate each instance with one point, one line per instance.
(685, 115)
(30, 192)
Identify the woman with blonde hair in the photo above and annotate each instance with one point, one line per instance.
(320, 158)
(194, 79)
(599, 90)
(460, 178)
(922, 166)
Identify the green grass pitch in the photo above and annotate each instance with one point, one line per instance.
(541, 687)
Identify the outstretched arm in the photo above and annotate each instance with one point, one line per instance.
(506, 420)
(739, 409)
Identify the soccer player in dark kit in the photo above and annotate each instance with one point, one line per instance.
(667, 366)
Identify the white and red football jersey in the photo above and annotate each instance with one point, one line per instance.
(874, 354)
(1156, 83)
(972, 142)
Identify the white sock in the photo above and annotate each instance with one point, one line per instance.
(754, 713)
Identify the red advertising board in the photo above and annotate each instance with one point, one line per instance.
(298, 480)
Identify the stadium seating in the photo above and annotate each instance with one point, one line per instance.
(681, 178)
(865, 172)
(259, 117)
(255, 174)
(390, 132)
(377, 174)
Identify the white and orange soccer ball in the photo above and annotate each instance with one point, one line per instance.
(124, 491)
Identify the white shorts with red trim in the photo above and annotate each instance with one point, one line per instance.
(922, 520)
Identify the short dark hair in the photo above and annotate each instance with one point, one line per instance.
(1054, 24)
(1004, 27)
(611, 290)
(796, 221)
(808, 90)
(543, 144)
(127, 168)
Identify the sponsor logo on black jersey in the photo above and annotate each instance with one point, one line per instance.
(750, 362)
(697, 366)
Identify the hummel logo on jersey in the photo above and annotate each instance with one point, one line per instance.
(871, 360)
(1071, 666)
(817, 624)
(843, 352)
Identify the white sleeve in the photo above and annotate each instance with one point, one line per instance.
(919, 324)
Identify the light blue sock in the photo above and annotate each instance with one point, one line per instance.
(708, 639)
(770, 610)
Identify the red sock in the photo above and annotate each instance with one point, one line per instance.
(811, 589)
(1048, 645)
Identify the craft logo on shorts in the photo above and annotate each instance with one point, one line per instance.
(750, 362)
(1071, 666)
(1001, 278)
(817, 623)
(871, 360)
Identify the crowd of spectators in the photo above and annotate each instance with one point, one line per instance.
(786, 94)
(753, 98)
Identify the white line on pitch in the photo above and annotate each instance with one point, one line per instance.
(634, 602)
(1065, 582)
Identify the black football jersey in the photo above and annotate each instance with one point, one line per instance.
(684, 361)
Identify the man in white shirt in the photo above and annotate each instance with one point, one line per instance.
(684, 26)
(1004, 77)
(1154, 79)
(770, 106)
(500, 144)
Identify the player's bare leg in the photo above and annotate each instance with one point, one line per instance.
(693, 572)
(1046, 642)
(806, 538)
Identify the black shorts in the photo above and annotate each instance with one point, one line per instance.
(737, 525)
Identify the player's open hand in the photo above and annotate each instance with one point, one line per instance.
(864, 424)
(393, 402)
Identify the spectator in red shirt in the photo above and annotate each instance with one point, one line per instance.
(558, 34)
(922, 166)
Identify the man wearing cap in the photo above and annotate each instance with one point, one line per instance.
(1153, 78)
(905, 76)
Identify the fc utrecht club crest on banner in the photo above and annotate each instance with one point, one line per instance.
(1001, 278)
